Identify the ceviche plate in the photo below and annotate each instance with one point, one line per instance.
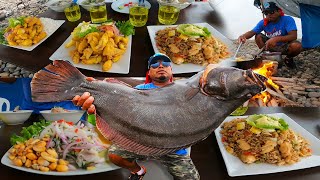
(50, 26)
(121, 67)
(188, 67)
(101, 168)
(236, 167)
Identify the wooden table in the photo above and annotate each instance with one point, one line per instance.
(141, 44)
(206, 154)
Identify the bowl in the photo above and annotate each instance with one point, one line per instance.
(87, 4)
(70, 116)
(59, 5)
(14, 118)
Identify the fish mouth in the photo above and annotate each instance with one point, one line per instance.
(256, 78)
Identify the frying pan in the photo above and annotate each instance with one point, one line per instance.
(253, 63)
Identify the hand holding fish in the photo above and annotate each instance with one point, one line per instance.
(85, 100)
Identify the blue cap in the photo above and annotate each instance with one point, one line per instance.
(270, 6)
(156, 57)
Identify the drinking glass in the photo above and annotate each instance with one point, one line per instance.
(73, 13)
(98, 13)
(168, 14)
(138, 15)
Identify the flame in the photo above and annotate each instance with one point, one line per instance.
(266, 71)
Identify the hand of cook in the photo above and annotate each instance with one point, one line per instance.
(271, 43)
(242, 39)
(85, 100)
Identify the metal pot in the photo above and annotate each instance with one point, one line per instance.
(275, 56)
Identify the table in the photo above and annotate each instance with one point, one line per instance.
(206, 154)
(141, 44)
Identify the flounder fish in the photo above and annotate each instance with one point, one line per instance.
(158, 121)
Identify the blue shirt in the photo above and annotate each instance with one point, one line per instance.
(280, 28)
(181, 152)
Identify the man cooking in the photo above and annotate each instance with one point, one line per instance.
(280, 33)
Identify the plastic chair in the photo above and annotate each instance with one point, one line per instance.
(4, 101)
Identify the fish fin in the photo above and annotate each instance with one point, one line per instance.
(191, 92)
(113, 80)
(129, 144)
(55, 82)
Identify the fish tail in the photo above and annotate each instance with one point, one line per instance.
(55, 82)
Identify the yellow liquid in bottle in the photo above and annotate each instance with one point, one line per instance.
(168, 14)
(73, 13)
(98, 14)
(138, 16)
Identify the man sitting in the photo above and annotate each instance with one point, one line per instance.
(280, 33)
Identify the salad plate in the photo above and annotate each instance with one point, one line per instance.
(187, 67)
(236, 167)
(122, 6)
(101, 168)
(50, 26)
(78, 144)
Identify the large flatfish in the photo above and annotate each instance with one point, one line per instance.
(157, 121)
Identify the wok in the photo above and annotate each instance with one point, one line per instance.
(249, 63)
(255, 62)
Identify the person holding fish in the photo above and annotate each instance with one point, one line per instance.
(178, 163)
(154, 123)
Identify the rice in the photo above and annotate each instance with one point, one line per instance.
(278, 147)
(195, 50)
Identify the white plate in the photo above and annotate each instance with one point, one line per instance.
(121, 67)
(50, 26)
(186, 68)
(107, 1)
(236, 167)
(101, 168)
(115, 5)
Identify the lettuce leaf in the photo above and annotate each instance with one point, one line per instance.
(125, 28)
(29, 132)
(193, 30)
(267, 122)
(13, 22)
(92, 119)
(84, 29)
(2, 38)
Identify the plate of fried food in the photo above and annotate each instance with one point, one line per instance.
(59, 148)
(98, 47)
(190, 46)
(27, 33)
(266, 143)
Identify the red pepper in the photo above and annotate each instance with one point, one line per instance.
(223, 139)
(60, 121)
(247, 133)
(78, 140)
(247, 153)
(76, 131)
(70, 123)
